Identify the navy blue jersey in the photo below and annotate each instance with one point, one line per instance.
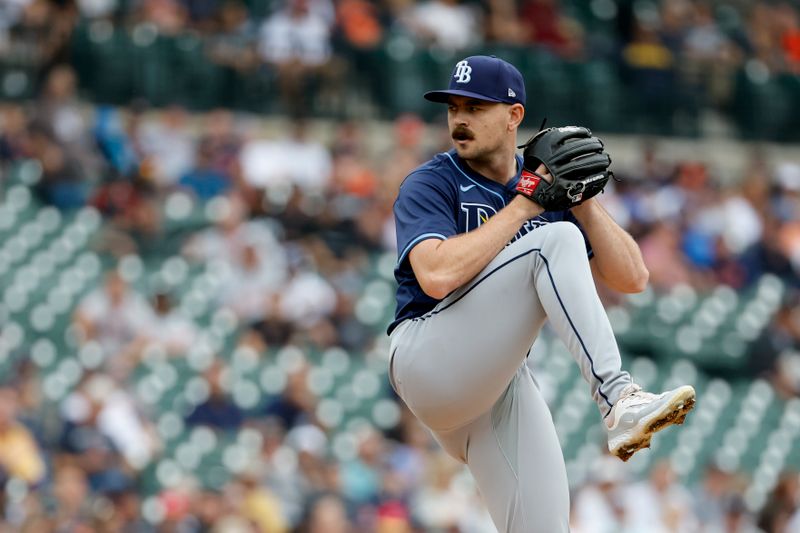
(441, 199)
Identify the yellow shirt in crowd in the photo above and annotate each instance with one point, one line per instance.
(19, 454)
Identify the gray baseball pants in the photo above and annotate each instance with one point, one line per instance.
(461, 370)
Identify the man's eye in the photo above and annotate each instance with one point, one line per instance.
(474, 109)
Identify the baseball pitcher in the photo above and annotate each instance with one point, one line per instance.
(490, 245)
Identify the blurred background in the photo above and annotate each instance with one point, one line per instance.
(196, 255)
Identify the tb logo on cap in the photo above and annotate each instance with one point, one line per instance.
(463, 71)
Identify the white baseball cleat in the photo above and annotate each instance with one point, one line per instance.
(637, 415)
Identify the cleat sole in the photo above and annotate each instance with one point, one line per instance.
(674, 413)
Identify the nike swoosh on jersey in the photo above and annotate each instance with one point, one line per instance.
(466, 188)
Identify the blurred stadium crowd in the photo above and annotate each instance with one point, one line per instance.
(194, 302)
(624, 65)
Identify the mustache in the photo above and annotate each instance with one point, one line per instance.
(461, 133)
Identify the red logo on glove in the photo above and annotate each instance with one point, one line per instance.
(528, 181)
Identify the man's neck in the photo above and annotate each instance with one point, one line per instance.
(500, 167)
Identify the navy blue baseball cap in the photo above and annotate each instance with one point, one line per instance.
(485, 78)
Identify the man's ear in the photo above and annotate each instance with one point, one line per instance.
(515, 115)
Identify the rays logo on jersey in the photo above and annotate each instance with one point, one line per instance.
(476, 214)
(529, 226)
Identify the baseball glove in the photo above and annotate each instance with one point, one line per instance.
(574, 159)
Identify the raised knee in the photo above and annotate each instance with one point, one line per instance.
(565, 234)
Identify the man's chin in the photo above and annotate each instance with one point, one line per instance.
(464, 150)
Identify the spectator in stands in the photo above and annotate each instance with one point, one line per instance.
(218, 411)
(786, 197)
(709, 59)
(116, 133)
(167, 145)
(759, 37)
(41, 35)
(14, 133)
(202, 508)
(295, 406)
(59, 107)
(599, 504)
(10, 14)
(271, 330)
(326, 514)
(222, 143)
(546, 26)
(447, 501)
(713, 498)
(126, 514)
(649, 68)
(768, 256)
(775, 353)
(393, 517)
(351, 333)
(782, 504)
(661, 251)
(232, 45)
(20, 456)
(276, 166)
(204, 180)
(308, 301)
(73, 510)
(170, 328)
(789, 31)
(361, 478)
(232, 233)
(353, 176)
(116, 317)
(133, 209)
(169, 16)
(675, 21)
(296, 41)
(202, 14)
(659, 504)
(63, 182)
(30, 396)
(257, 503)
(409, 450)
(503, 24)
(408, 150)
(102, 423)
(450, 25)
(359, 32)
(737, 518)
(278, 474)
(308, 475)
(741, 223)
(253, 282)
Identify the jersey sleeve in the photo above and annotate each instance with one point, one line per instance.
(424, 209)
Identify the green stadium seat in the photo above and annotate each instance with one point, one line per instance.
(103, 60)
(762, 108)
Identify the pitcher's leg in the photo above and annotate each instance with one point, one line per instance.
(566, 289)
(514, 455)
(452, 364)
